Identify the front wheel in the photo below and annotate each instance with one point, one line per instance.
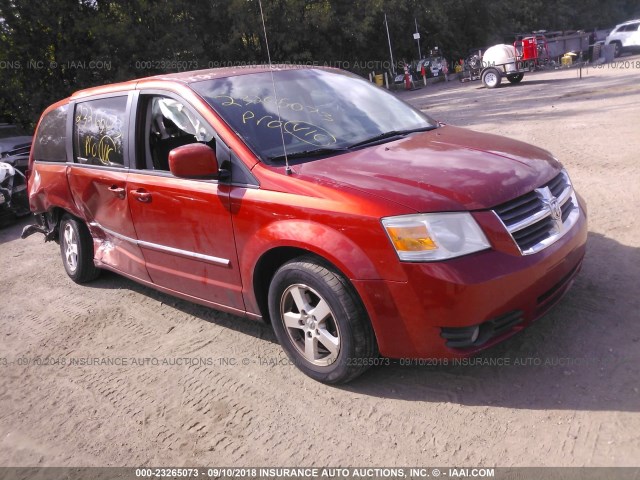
(76, 247)
(515, 78)
(320, 322)
(491, 77)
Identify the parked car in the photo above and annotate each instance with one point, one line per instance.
(625, 37)
(13, 186)
(12, 138)
(14, 159)
(309, 198)
(432, 65)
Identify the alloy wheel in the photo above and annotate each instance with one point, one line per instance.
(310, 324)
(70, 240)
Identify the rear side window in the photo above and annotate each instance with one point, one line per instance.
(98, 131)
(50, 141)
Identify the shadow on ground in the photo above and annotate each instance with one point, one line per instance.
(583, 355)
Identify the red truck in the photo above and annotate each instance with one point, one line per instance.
(359, 227)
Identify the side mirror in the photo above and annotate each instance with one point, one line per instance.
(195, 160)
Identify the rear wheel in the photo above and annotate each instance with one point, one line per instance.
(515, 77)
(491, 77)
(320, 322)
(76, 247)
(617, 51)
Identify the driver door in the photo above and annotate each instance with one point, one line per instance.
(183, 225)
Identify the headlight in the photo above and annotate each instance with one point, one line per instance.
(430, 237)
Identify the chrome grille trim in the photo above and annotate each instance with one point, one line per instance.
(546, 220)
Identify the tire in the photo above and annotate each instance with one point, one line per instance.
(320, 321)
(617, 49)
(515, 78)
(76, 248)
(491, 77)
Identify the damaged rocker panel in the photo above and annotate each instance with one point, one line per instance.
(163, 248)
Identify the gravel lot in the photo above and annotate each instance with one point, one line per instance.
(193, 386)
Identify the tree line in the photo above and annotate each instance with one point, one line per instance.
(50, 49)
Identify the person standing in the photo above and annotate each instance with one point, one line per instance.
(407, 76)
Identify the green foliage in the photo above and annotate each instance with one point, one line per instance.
(50, 49)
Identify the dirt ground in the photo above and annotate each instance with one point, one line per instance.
(192, 386)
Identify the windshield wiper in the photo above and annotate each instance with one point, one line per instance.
(389, 135)
(318, 152)
(308, 153)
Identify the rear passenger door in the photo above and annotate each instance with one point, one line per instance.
(184, 226)
(98, 180)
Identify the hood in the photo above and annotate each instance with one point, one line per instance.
(445, 169)
(12, 143)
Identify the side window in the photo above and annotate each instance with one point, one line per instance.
(50, 141)
(99, 127)
(167, 124)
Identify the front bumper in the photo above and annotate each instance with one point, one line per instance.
(496, 288)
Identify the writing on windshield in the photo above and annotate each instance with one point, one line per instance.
(303, 131)
(309, 109)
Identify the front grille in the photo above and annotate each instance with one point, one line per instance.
(541, 217)
(519, 209)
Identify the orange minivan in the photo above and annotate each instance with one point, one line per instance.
(359, 227)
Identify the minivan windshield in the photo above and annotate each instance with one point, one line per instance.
(320, 112)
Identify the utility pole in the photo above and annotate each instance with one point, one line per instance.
(393, 67)
(417, 38)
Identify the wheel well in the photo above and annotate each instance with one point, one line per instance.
(266, 268)
(52, 220)
(272, 260)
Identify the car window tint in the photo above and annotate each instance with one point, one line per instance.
(98, 130)
(50, 142)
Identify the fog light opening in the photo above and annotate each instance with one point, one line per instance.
(475, 334)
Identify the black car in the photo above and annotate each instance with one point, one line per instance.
(12, 138)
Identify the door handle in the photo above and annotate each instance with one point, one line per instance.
(117, 191)
(141, 195)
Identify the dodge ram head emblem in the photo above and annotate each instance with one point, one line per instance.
(551, 203)
(554, 206)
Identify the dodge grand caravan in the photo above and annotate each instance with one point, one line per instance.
(309, 198)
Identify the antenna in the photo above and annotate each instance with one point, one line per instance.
(386, 24)
(275, 94)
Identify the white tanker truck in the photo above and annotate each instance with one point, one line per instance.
(502, 61)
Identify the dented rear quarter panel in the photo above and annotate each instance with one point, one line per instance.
(48, 187)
